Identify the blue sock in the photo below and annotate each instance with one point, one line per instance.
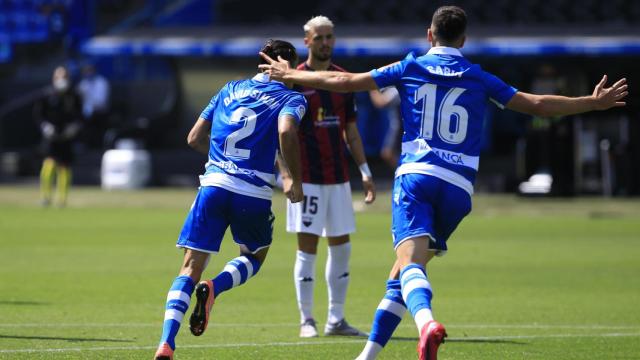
(235, 273)
(178, 301)
(416, 292)
(388, 315)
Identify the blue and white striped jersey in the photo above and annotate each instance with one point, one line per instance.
(244, 134)
(443, 100)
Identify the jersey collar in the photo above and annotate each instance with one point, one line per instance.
(263, 77)
(444, 50)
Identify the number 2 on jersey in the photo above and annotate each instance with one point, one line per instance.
(446, 113)
(249, 117)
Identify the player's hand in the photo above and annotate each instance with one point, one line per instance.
(287, 183)
(293, 191)
(610, 97)
(369, 190)
(276, 69)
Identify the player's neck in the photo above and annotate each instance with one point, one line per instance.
(318, 65)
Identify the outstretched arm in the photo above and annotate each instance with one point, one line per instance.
(327, 80)
(554, 105)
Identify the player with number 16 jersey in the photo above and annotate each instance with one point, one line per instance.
(443, 102)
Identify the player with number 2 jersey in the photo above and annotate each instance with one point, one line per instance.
(241, 130)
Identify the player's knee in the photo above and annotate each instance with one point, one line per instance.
(259, 256)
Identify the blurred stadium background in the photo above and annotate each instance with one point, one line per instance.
(164, 60)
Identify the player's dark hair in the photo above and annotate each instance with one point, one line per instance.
(449, 23)
(275, 48)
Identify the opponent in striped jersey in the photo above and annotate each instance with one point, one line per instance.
(443, 97)
(326, 209)
(322, 149)
(241, 130)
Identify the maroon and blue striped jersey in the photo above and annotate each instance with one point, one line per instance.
(321, 132)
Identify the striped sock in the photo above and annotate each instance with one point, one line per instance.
(235, 273)
(178, 301)
(387, 318)
(417, 294)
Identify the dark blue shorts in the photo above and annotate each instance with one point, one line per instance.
(215, 209)
(424, 205)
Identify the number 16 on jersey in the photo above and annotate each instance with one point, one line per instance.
(446, 114)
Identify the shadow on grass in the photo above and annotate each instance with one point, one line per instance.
(70, 339)
(25, 303)
(463, 340)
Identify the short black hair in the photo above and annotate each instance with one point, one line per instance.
(449, 23)
(275, 48)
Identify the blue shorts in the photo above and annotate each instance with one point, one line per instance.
(215, 209)
(426, 205)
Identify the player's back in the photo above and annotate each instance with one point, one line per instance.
(244, 129)
(443, 104)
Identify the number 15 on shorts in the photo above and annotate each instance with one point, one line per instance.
(310, 205)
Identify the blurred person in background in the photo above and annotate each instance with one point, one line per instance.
(388, 100)
(240, 130)
(94, 89)
(443, 100)
(59, 116)
(327, 208)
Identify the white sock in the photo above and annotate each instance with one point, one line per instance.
(304, 273)
(370, 351)
(422, 317)
(337, 276)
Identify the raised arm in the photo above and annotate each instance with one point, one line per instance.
(198, 137)
(554, 105)
(328, 80)
(290, 150)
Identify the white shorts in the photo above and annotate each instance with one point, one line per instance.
(326, 210)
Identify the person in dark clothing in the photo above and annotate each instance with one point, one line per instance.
(59, 115)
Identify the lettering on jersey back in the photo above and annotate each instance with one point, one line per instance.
(252, 93)
(449, 157)
(445, 71)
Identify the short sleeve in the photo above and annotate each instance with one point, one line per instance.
(499, 92)
(389, 75)
(296, 106)
(207, 113)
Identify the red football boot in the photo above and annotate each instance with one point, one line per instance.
(431, 336)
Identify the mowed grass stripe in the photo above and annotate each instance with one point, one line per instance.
(321, 342)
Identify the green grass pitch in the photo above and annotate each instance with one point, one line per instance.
(524, 279)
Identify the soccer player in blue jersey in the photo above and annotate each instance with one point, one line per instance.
(240, 130)
(443, 100)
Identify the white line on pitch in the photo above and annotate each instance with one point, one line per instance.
(192, 346)
(260, 325)
(206, 346)
(555, 336)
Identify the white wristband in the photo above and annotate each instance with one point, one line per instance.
(364, 170)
